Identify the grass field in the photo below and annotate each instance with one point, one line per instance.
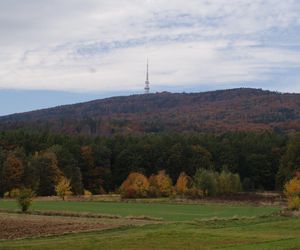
(170, 212)
(278, 233)
(185, 227)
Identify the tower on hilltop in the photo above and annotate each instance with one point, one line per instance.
(147, 83)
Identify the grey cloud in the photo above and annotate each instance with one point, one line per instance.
(58, 44)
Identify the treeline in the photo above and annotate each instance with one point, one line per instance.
(203, 183)
(38, 160)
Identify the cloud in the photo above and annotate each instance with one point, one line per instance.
(103, 45)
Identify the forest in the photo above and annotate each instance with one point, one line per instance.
(32, 159)
(219, 111)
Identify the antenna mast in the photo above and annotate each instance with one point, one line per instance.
(147, 88)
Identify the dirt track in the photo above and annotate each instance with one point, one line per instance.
(14, 226)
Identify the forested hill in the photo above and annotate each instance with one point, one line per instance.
(215, 111)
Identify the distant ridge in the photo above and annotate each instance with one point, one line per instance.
(242, 109)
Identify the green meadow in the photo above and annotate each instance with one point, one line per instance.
(169, 212)
(184, 226)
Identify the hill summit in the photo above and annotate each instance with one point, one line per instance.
(242, 109)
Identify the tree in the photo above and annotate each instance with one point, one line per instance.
(200, 158)
(161, 184)
(94, 162)
(290, 162)
(63, 188)
(136, 185)
(76, 181)
(68, 164)
(224, 185)
(49, 172)
(206, 181)
(25, 199)
(228, 183)
(292, 192)
(12, 172)
(183, 183)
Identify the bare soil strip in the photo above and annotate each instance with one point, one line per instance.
(16, 226)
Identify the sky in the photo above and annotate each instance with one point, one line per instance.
(55, 52)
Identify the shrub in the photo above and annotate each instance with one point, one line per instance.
(130, 193)
(294, 203)
(25, 199)
(135, 186)
(153, 191)
(14, 193)
(87, 193)
(194, 193)
(292, 187)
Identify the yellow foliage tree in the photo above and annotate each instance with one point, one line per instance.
(292, 192)
(182, 183)
(136, 185)
(63, 188)
(162, 183)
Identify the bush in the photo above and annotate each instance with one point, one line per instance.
(193, 193)
(294, 203)
(14, 193)
(153, 191)
(129, 194)
(292, 188)
(87, 193)
(25, 199)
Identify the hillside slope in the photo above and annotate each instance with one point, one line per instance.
(214, 111)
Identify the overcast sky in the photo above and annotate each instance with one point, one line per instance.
(95, 46)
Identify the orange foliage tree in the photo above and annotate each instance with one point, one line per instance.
(183, 183)
(135, 186)
(161, 184)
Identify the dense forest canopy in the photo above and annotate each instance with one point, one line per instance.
(98, 144)
(213, 112)
(263, 160)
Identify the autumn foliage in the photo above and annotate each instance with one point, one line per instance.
(183, 183)
(12, 172)
(135, 186)
(160, 184)
(204, 183)
(292, 192)
(63, 188)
